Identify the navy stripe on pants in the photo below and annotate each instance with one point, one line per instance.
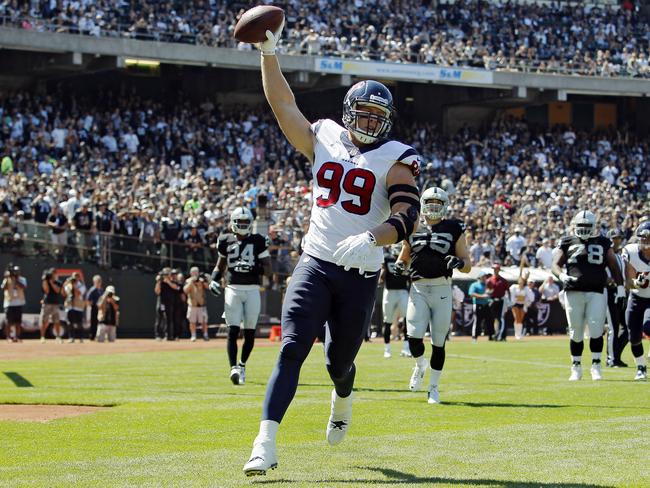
(319, 292)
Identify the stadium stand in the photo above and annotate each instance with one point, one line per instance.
(546, 37)
(150, 173)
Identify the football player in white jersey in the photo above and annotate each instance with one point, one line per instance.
(637, 272)
(364, 197)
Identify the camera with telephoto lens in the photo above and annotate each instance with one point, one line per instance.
(48, 274)
(12, 271)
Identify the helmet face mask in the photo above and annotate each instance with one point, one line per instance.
(434, 203)
(241, 221)
(368, 125)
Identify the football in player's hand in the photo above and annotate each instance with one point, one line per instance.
(254, 23)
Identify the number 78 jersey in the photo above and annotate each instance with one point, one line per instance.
(349, 188)
(587, 261)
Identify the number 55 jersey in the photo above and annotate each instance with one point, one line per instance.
(349, 188)
(430, 245)
(587, 261)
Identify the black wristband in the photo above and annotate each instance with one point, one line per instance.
(399, 227)
(216, 275)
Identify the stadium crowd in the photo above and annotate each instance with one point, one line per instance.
(559, 37)
(134, 183)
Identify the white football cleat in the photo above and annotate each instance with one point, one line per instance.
(405, 353)
(418, 374)
(596, 373)
(576, 372)
(234, 375)
(262, 459)
(387, 352)
(433, 396)
(641, 373)
(340, 418)
(242, 375)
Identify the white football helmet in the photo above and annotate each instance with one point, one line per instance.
(241, 221)
(584, 224)
(434, 202)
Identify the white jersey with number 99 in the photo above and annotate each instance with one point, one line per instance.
(349, 188)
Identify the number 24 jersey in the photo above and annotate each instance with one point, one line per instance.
(350, 194)
(243, 257)
(587, 261)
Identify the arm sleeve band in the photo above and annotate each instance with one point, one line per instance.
(406, 199)
(396, 222)
(409, 224)
(216, 275)
(403, 188)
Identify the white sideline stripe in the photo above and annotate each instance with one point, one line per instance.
(515, 361)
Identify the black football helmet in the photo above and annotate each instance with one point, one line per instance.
(368, 93)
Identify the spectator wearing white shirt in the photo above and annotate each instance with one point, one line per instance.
(544, 255)
(109, 141)
(514, 245)
(131, 142)
(475, 252)
(609, 173)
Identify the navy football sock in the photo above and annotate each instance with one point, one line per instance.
(343, 384)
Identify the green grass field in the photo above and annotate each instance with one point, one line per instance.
(510, 418)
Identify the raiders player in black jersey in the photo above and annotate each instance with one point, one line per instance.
(436, 248)
(586, 256)
(395, 298)
(246, 258)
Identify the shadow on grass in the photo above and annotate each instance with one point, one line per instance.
(395, 477)
(19, 380)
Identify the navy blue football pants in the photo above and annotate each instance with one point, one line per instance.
(634, 315)
(320, 292)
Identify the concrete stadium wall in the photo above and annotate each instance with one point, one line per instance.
(184, 54)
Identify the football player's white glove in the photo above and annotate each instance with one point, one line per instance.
(272, 38)
(354, 251)
(641, 281)
(566, 279)
(620, 293)
(215, 288)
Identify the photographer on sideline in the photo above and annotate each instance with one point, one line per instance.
(197, 312)
(50, 304)
(108, 315)
(92, 297)
(165, 289)
(13, 286)
(74, 291)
